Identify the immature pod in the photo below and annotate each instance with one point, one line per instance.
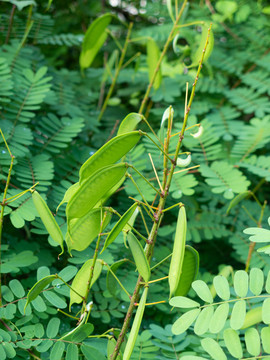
(178, 251)
(139, 256)
(109, 153)
(129, 123)
(47, 218)
(135, 326)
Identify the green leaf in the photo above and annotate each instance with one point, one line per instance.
(91, 353)
(139, 256)
(17, 288)
(190, 270)
(153, 55)
(93, 189)
(118, 227)
(266, 311)
(93, 40)
(53, 328)
(55, 300)
(238, 314)
(109, 153)
(265, 335)
(57, 351)
(256, 281)
(202, 291)
(233, 343)
(72, 352)
(38, 287)
(183, 302)
(253, 342)
(203, 320)
(110, 280)
(219, 318)
(240, 283)
(237, 199)
(83, 332)
(213, 349)
(2, 352)
(129, 123)
(184, 322)
(267, 284)
(84, 230)
(222, 287)
(258, 234)
(80, 282)
(9, 349)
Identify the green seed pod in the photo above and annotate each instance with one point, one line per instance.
(139, 256)
(178, 251)
(47, 218)
(135, 326)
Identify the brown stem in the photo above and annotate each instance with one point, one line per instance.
(10, 23)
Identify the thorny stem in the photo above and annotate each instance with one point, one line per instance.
(123, 54)
(167, 178)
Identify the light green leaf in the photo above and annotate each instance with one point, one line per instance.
(213, 349)
(17, 288)
(91, 353)
(219, 318)
(265, 335)
(258, 234)
(185, 321)
(233, 343)
(266, 311)
(129, 123)
(222, 287)
(203, 320)
(253, 343)
(238, 314)
(153, 55)
(240, 283)
(183, 302)
(57, 351)
(256, 281)
(72, 352)
(202, 291)
(53, 327)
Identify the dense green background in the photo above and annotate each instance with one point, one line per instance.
(51, 125)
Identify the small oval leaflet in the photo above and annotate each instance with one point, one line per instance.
(213, 349)
(238, 315)
(178, 251)
(183, 302)
(240, 283)
(256, 281)
(203, 320)
(233, 343)
(93, 189)
(253, 342)
(184, 322)
(139, 256)
(202, 290)
(266, 311)
(109, 153)
(93, 40)
(118, 227)
(47, 218)
(219, 318)
(265, 335)
(222, 287)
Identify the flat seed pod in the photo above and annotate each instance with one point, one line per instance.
(139, 256)
(118, 227)
(80, 282)
(240, 283)
(238, 315)
(266, 311)
(153, 55)
(237, 199)
(198, 54)
(183, 302)
(185, 321)
(213, 349)
(93, 189)
(129, 123)
(93, 40)
(84, 230)
(256, 281)
(219, 318)
(253, 342)
(68, 194)
(254, 316)
(202, 291)
(203, 320)
(233, 343)
(47, 218)
(38, 287)
(222, 287)
(178, 251)
(110, 279)
(265, 335)
(109, 153)
(135, 326)
(190, 270)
